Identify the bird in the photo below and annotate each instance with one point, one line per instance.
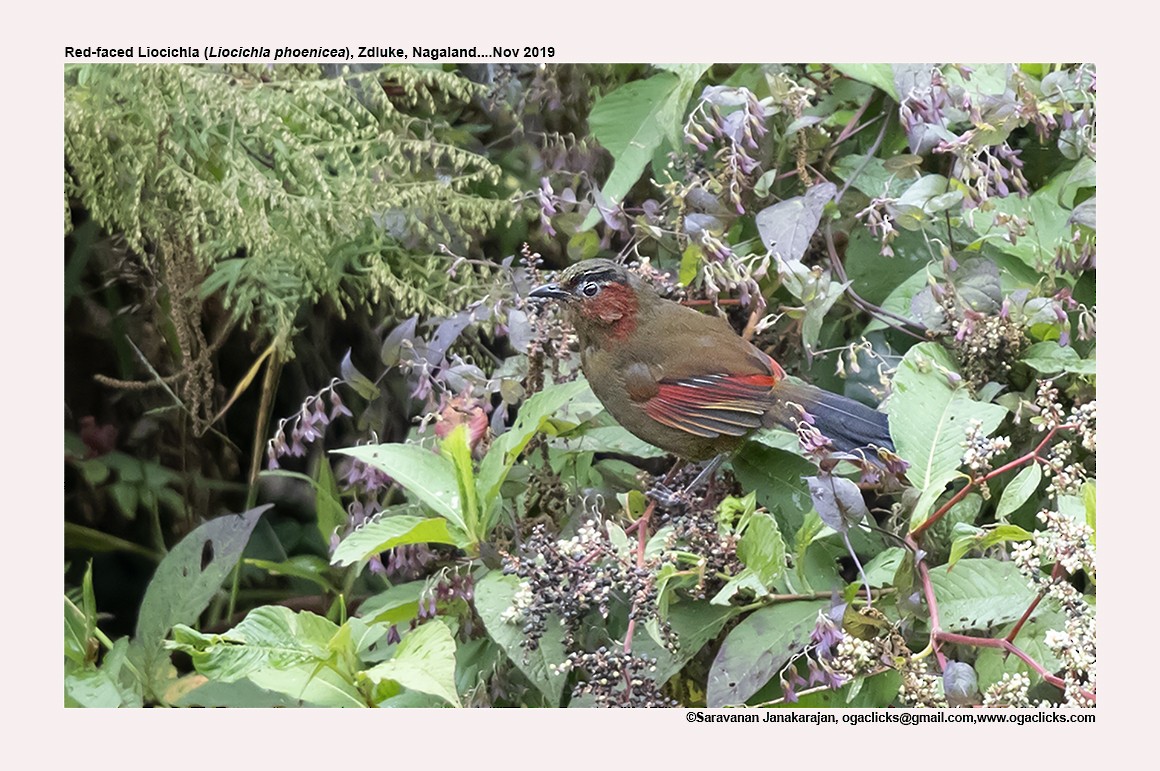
(684, 381)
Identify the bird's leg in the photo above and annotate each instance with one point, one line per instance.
(669, 498)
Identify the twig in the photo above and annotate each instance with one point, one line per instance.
(975, 482)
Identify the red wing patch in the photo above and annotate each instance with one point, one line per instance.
(713, 405)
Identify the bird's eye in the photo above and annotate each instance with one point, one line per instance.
(590, 289)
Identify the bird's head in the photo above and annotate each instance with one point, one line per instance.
(602, 298)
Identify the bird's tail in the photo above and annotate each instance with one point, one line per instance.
(849, 424)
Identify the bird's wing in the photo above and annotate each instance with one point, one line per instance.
(713, 405)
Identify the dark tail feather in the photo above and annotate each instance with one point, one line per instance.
(849, 424)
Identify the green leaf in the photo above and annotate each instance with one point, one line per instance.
(1088, 493)
(493, 596)
(310, 685)
(929, 419)
(979, 594)
(787, 227)
(876, 691)
(1050, 358)
(1048, 228)
(762, 549)
(427, 476)
(269, 637)
(455, 449)
(985, 540)
(387, 532)
(757, 648)
(396, 605)
(901, 298)
(880, 570)
(424, 662)
(874, 178)
(91, 688)
(185, 582)
(310, 567)
(778, 478)
(327, 504)
(240, 693)
(632, 121)
(881, 76)
(992, 663)
(1018, 491)
(506, 449)
(694, 624)
(613, 438)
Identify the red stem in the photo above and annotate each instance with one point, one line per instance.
(975, 482)
(641, 526)
(996, 642)
(1056, 573)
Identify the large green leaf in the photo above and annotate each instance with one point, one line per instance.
(632, 121)
(979, 594)
(427, 476)
(694, 624)
(424, 662)
(388, 532)
(1048, 223)
(878, 75)
(493, 596)
(1050, 357)
(929, 419)
(269, 637)
(185, 582)
(757, 648)
(455, 449)
(778, 478)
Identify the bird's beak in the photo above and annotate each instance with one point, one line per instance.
(549, 292)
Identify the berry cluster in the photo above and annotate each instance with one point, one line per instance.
(695, 528)
(616, 678)
(577, 579)
(573, 578)
(986, 344)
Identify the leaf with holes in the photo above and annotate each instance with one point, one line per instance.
(185, 582)
(269, 637)
(979, 594)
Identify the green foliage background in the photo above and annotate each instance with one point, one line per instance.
(243, 243)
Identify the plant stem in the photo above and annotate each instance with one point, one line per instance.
(975, 482)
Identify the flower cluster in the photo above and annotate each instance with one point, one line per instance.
(696, 531)
(824, 663)
(738, 131)
(987, 344)
(308, 424)
(1011, 691)
(879, 220)
(920, 686)
(450, 591)
(980, 450)
(1066, 543)
(987, 171)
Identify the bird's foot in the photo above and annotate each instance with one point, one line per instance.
(667, 498)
